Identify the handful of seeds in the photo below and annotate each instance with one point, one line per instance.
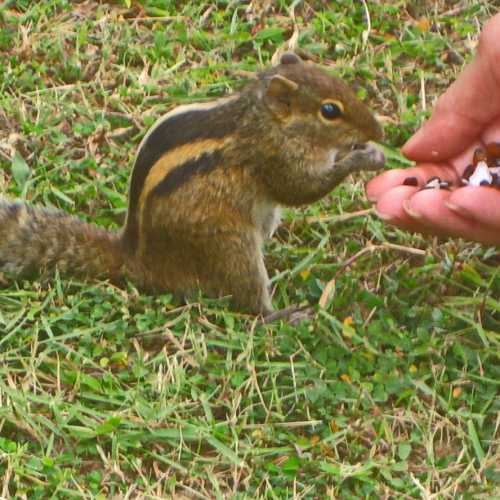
(483, 171)
(485, 167)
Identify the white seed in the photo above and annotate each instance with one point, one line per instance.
(433, 183)
(481, 174)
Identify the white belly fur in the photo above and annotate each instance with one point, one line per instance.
(266, 216)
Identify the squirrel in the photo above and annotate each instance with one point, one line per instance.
(206, 189)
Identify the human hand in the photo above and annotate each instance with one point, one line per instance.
(466, 116)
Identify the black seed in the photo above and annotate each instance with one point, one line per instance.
(468, 171)
(479, 155)
(410, 181)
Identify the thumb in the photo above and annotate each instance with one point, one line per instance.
(466, 108)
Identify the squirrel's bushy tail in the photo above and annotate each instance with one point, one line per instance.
(34, 239)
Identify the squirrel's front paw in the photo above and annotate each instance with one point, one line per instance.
(365, 156)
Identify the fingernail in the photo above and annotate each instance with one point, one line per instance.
(458, 210)
(452, 206)
(412, 213)
(383, 216)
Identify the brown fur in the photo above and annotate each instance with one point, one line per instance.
(34, 239)
(200, 209)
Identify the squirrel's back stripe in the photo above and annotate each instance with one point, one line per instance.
(174, 169)
(186, 158)
(182, 109)
(182, 173)
(183, 125)
(180, 127)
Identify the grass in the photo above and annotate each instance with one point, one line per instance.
(391, 389)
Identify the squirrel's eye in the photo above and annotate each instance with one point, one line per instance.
(331, 110)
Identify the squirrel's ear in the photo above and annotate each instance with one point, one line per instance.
(280, 86)
(290, 58)
(279, 94)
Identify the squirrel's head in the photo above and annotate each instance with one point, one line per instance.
(321, 109)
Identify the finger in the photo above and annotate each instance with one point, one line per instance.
(393, 208)
(390, 204)
(429, 210)
(378, 186)
(390, 208)
(466, 108)
(492, 133)
(481, 204)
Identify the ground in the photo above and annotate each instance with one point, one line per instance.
(389, 390)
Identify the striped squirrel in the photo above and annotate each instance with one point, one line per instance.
(206, 188)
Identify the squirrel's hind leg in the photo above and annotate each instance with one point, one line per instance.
(234, 265)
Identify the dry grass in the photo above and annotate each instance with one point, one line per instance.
(389, 391)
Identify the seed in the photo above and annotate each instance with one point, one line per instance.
(410, 181)
(481, 175)
(493, 150)
(433, 183)
(493, 153)
(485, 167)
(495, 180)
(468, 171)
(479, 155)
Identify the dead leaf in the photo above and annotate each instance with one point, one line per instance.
(327, 294)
